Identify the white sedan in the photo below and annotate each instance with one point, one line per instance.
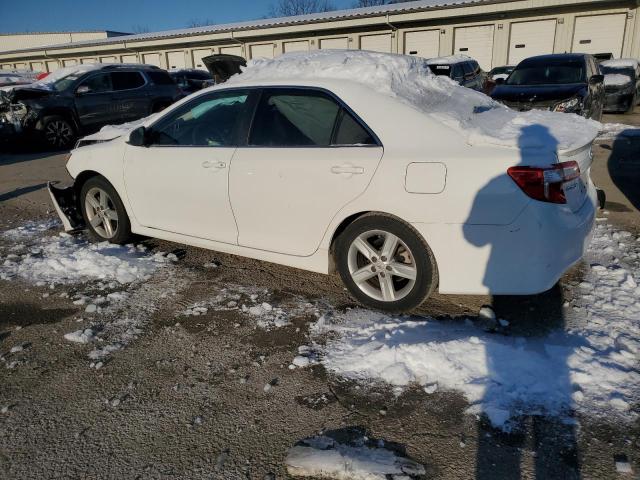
(324, 173)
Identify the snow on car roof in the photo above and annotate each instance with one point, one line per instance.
(408, 79)
(621, 63)
(448, 60)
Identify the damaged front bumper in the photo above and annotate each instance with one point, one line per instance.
(65, 201)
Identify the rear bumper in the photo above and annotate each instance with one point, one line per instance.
(65, 202)
(524, 258)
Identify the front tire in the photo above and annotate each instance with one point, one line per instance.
(58, 133)
(103, 212)
(385, 264)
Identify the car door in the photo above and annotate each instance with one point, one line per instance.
(93, 101)
(178, 182)
(130, 97)
(307, 156)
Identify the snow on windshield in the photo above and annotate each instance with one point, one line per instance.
(611, 79)
(621, 63)
(48, 81)
(408, 79)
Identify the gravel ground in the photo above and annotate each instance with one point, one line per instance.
(212, 395)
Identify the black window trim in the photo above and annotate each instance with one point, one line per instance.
(244, 130)
(109, 72)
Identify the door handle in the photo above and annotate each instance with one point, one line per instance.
(348, 169)
(210, 164)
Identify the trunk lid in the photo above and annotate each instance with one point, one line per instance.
(576, 190)
(222, 66)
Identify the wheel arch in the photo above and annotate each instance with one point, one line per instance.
(86, 175)
(353, 217)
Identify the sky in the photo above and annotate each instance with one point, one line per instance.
(128, 15)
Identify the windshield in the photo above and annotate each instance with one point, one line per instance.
(629, 72)
(547, 74)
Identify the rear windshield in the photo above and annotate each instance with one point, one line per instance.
(548, 74)
(629, 72)
(159, 77)
(441, 70)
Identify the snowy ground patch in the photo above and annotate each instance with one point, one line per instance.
(609, 131)
(590, 367)
(324, 457)
(64, 258)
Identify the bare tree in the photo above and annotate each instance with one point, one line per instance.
(291, 8)
(200, 23)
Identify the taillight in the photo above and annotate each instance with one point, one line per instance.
(545, 183)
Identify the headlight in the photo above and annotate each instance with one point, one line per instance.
(571, 105)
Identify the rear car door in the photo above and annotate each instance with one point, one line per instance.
(93, 101)
(307, 156)
(130, 97)
(179, 181)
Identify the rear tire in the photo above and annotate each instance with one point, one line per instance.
(385, 264)
(103, 212)
(58, 133)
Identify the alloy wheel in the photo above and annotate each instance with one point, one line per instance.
(382, 265)
(58, 133)
(101, 212)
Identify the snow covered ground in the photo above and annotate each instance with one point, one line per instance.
(591, 367)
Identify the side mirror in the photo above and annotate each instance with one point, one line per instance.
(596, 79)
(138, 137)
(499, 81)
(82, 89)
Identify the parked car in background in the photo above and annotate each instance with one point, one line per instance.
(601, 57)
(81, 99)
(501, 72)
(191, 80)
(462, 69)
(8, 80)
(568, 82)
(621, 84)
(294, 162)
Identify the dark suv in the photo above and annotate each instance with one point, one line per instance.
(79, 100)
(191, 80)
(566, 82)
(462, 69)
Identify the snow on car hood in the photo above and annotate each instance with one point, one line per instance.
(110, 132)
(476, 116)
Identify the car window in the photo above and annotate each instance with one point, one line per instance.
(210, 120)
(126, 80)
(294, 118)
(160, 77)
(548, 74)
(99, 83)
(457, 72)
(351, 132)
(468, 68)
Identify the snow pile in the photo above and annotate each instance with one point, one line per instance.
(621, 63)
(616, 79)
(81, 336)
(31, 229)
(66, 259)
(409, 79)
(323, 457)
(591, 367)
(448, 60)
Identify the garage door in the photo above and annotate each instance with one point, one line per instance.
(231, 50)
(262, 51)
(297, 46)
(110, 59)
(376, 43)
(531, 38)
(129, 58)
(52, 65)
(337, 43)
(89, 60)
(37, 66)
(425, 43)
(599, 34)
(151, 59)
(176, 59)
(476, 42)
(198, 55)
(21, 66)
(70, 62)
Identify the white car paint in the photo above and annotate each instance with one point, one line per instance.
(487, 236)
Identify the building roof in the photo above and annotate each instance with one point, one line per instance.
(406, 7)
(15, 34)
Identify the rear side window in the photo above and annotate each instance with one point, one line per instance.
(159, 77)
(294, 118)
(99, 83)
(350, 132)
(126, 80)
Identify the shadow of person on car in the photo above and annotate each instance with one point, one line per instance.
(624, 166)
(533, 440)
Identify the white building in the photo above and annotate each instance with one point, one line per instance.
(492, 31)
